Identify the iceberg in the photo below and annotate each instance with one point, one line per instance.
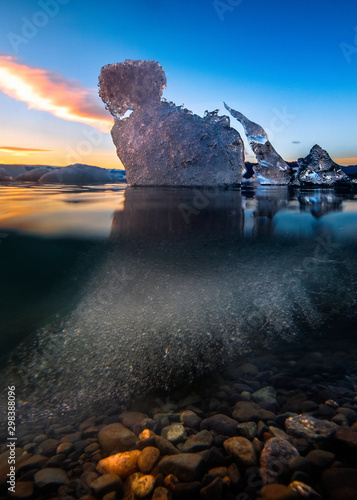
(76, 174)
(320, 170)
(4, 175)
(161, 144)
(272, 169)
(32, 175)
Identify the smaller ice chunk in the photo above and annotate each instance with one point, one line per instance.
(32, 175)
(319, 169)
(77, 174)
(272, 169)
(4, 175)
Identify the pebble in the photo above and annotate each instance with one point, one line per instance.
(242, 450)
(198, 442)
(65, 448)
(106, 483)
(24, 489)
(161, 493)
(185, 466)
(300, 464)
(130, 419)
(123, 464)
(276, 432)
(147, 459)
(320, 459)
(73, 437)
(213, 491)
(127, 490)
(175, 433)
(304, 490)
(33, 462)
(66, 429)
(146, 433)
(265, 395)
(275, 458)
(248, 430)
(112, 495)
(143, 486)
(190, 419)
(116, 437)
(278, 492)
(56, 461)
(220, 423)
(165, 447)
(40, 438)
(48, 447)
(247, 411)
(346, 439)
(310, 427)
(50, 476)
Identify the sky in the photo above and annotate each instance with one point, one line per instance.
(290, 66)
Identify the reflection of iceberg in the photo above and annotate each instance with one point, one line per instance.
(268, 204)
(162, 214)
(164, 144)
(272, 168)
(320, 203)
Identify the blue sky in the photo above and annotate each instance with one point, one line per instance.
(290, 66)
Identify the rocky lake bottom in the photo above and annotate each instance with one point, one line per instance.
(170, 344)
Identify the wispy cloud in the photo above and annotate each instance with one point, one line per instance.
(49, 91)
(13, 149)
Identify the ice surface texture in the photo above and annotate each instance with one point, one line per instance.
(272, 169)
(131, 84)
(319, 169)
(164, 144)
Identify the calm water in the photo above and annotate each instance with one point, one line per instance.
(112, 291)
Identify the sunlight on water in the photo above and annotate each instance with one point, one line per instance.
(60, 211)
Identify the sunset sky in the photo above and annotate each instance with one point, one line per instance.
(290, 66)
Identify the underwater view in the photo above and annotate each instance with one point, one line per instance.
(194, 321)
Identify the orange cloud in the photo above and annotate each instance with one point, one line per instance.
(49, 91)
(13, 149)
(346, 161)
